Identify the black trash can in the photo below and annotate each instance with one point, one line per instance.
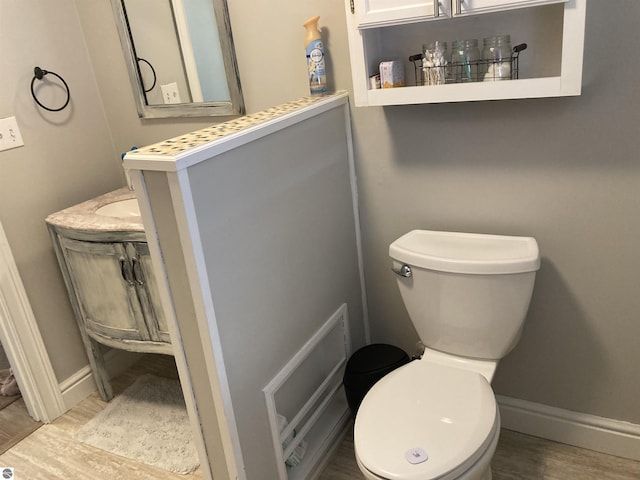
(368, 365)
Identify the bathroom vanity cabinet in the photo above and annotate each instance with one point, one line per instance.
(115, 287)
(384, 30)
(107, 270)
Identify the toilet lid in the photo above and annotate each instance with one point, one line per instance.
(424, 421)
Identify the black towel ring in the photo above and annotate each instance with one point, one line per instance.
(153, 70)
(39, 74)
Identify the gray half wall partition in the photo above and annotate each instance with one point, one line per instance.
(253, 230)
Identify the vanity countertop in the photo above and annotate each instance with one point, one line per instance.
(83, 216)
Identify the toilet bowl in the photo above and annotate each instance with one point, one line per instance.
(427, 421)
(437, 417)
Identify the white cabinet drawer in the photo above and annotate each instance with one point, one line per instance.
(377, 13)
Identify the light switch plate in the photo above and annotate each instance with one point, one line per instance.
(170, 93)
(10, 136)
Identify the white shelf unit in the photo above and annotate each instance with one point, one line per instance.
(308, 393)
(551, 66)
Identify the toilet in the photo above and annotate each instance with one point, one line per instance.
(437, 418)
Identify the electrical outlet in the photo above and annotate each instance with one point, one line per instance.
(170, 93)
(10, 136)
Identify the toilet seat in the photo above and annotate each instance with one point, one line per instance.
(423, 410)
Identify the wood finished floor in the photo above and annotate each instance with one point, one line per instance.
(15, 424)
(517, 457)
(51, 453)
(15, 421)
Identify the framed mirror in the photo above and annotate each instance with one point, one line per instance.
(180, 57)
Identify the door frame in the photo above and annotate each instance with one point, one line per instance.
(23, 344)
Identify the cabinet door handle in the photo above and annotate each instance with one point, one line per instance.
(137, 273)
(436, 8)
(353, 6)
(125, 271)
(458, 4)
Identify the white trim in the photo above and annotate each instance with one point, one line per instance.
(81, 384)
(23, 343)
(77, 387)
(356, 217)
(573, 47)
(583, 430)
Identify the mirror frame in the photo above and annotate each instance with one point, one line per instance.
(205, 109)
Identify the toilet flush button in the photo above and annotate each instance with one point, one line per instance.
(416, 455)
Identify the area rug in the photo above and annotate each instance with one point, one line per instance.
(148, 423)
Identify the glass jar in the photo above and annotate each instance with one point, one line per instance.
(435, 63)
(496, 52)
(465, 61)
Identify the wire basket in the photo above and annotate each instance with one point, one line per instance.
(477, 70)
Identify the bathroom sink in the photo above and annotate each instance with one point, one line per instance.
(120, 209)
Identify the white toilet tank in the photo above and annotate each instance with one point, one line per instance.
(467, 294)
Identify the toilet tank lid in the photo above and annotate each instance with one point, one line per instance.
(471, 253)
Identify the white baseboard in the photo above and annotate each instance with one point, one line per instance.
(601, 434)
(81, 384)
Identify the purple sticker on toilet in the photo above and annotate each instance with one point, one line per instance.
(416, 455)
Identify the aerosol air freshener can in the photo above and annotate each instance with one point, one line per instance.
(315, 57)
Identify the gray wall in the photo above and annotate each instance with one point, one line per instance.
(101, 36)
(280, 259)
(563, 170)
(68, 157)
(269, 44)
